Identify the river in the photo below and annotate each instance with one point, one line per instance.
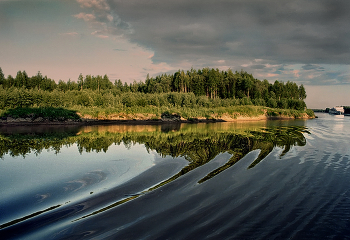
(242, 180)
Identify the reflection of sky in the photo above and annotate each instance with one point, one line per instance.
(338, 123)
(33, 173)
(335, 123)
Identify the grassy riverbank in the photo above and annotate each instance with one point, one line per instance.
(148, 113)
(231, 113)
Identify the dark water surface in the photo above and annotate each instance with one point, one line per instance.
(258, 180)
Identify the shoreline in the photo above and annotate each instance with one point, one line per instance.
(88, 122)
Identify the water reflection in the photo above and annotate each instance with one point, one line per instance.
(338, 123)
(197, 143)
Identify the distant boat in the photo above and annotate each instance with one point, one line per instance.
(337, 111)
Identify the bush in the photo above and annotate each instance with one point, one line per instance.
(296, 104)
(216, 102)
(310, 113)
(108, 100)
(259, 102)
(53, 99)
(84, 99)
(272, 103)
(153, 100)
(141, 99)
(3, 97)
(203, 101)
(175, 99)
(48, 113)
(246, 101)
(283, 103)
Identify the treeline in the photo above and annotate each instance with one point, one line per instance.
(19, 97)
(206, 87)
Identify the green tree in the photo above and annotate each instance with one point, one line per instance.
(85, 99)
(71, 85)
(118, 85)
(62, 86)
(128, 100)
(278, 88)
(272, 103)
(19, 80)
(302, 92)
(80, 81)
(2, 77)
(105, 83)
(10, 81)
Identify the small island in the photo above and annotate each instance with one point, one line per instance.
(192, 96)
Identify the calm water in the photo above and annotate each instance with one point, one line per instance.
(259, 180)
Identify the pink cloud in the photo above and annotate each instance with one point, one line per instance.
(73, 34)
(272, 75)
(86, 16)
(99, 34)
(296, 73)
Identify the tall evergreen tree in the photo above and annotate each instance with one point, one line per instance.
(81, 81)
(302, 92)
(2, 77)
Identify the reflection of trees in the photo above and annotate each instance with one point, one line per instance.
(198, 147)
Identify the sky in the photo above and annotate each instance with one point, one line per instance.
(303, 41)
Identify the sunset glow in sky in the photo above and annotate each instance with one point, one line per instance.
(304, 41)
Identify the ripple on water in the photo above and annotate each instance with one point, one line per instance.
(303, 194)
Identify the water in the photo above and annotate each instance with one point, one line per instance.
(258, 180)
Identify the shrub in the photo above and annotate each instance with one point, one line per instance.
(272, 103)
(246, 101)
(310, 113)
(259, 102)
(175, 99)
(141, 99)
(153, 100)
(283, 103)
(296, 104)
(84, 99)
(203, 101)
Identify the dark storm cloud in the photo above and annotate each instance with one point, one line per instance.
(283, 31)
(273, 38)
(258, 66)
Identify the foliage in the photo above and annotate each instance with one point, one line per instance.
(191, 94)
(47, 113)
(211, 83)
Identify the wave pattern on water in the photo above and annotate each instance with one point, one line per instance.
(297, 190)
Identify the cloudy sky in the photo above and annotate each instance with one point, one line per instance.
(304, 41)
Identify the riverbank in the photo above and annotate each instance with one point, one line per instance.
(92, 116)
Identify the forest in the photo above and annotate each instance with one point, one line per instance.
(194, 88)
